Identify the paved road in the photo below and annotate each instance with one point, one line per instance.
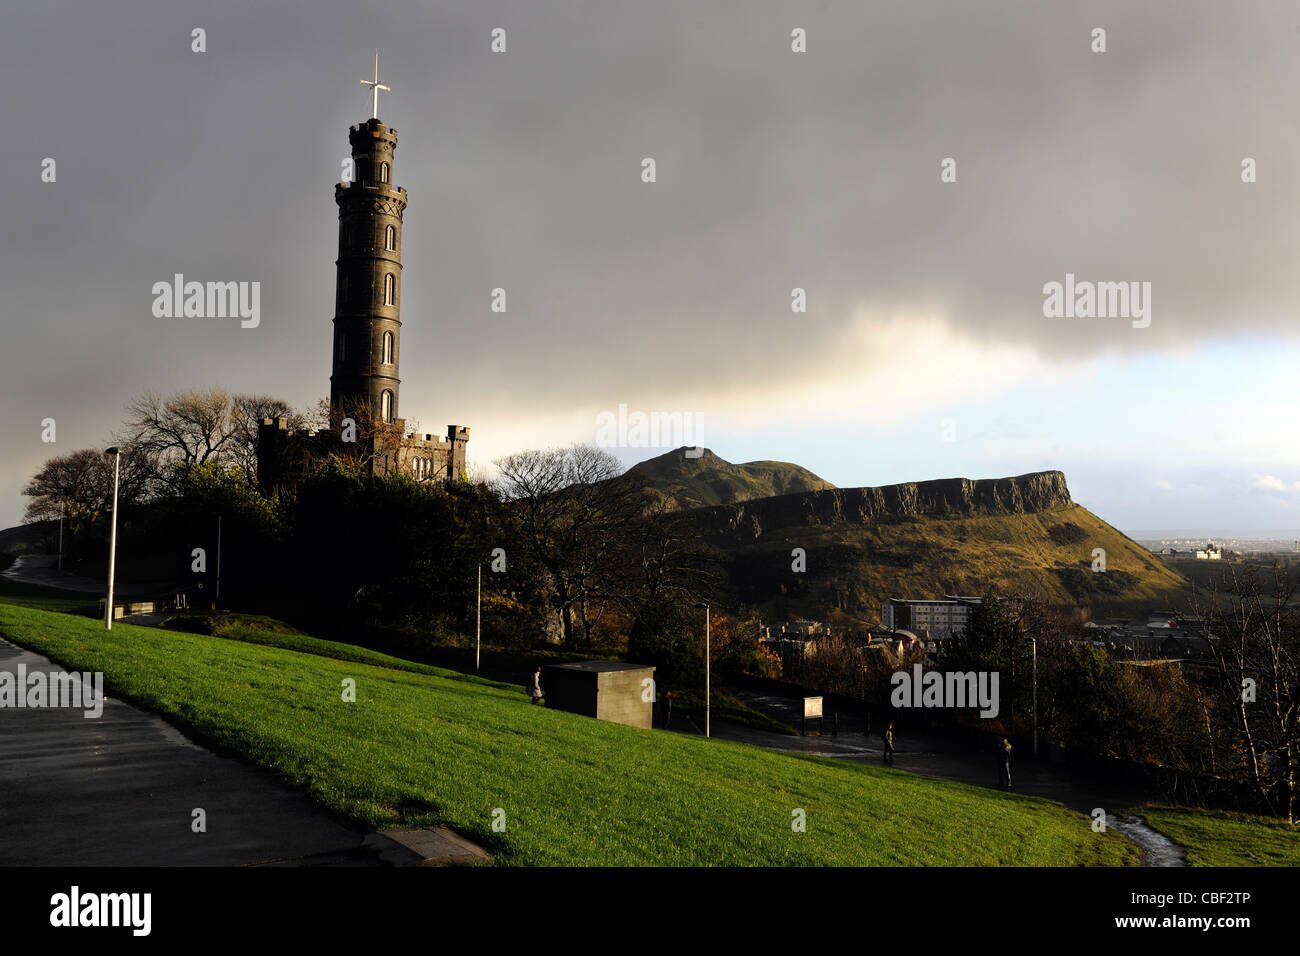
(120, 790)
(43, 569)
(933, 755)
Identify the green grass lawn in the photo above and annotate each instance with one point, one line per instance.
(1220, 838)
(423, 745)
(258, 629)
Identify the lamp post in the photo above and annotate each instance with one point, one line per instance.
(478, 616)
(112, 546)
(1033, 643)
(216, 593)
(707, 659)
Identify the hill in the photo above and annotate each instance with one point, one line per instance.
(710, 480)
(925, 539)
(41, 537)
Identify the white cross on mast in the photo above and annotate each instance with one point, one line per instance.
(375, 87)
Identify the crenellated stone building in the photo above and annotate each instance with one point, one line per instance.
(364, 382)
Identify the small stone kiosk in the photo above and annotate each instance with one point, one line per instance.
(606, 690)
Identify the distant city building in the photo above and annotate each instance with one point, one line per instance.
(1161, 635)
(934, 619)
(1207, 553)
(800, 629)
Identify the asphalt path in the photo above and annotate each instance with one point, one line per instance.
(121, 790)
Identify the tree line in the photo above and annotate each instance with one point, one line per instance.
(570, 550)
(1222, 729)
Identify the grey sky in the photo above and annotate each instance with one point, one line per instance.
(775, 170)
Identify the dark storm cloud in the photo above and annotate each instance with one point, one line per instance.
(775, 170)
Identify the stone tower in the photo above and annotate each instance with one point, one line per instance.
(368, 292)
(367, 333)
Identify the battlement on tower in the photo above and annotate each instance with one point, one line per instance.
(455, 433)
(285, 455)
(373, 125)
(372, 134)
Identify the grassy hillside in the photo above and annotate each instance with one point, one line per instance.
(1220, 838)
(1019, 535)
(41, 537)
(710, 480)
(852, 567)
(421, 746)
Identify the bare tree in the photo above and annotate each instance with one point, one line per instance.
(187, 428)
(664, 556)
(570, 510)
(246, 414)
(78, 487)
(1253, 639)
(197, 426)
(355, 419)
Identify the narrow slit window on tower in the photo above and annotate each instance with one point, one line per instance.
(390, 238)
(383, 172)
(388, 348)
(343, 289)
(386, 406)
(343, 347)
(389, 289)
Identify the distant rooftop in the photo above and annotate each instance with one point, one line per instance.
(600, 667)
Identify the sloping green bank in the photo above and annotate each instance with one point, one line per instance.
(422, 746)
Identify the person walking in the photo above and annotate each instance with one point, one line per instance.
(535, 687)
(1004, 764)
(888, 738)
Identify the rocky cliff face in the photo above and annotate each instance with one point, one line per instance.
(945, 498)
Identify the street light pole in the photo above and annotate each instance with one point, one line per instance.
(112, 546)
(216, 593)
(1033, 643)
(478, 617)
(707, 662)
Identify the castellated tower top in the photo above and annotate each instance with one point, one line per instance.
(373, 145)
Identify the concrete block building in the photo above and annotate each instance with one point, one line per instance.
(607, 690)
